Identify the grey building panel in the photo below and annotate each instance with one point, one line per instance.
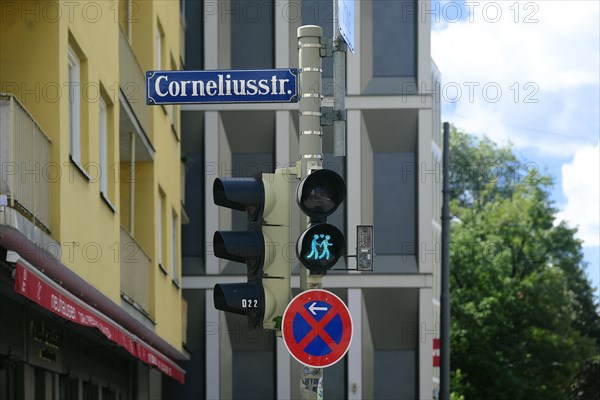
(394, 203)
(252, 30)
(194, 42)
(253, 375)
(395, 375)
(394, 38)
(388, 137)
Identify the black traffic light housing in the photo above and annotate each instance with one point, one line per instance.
(266, 201)
(318, 195)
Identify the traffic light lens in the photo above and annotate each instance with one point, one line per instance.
(320, 247)
(321, 193)
(320, 200)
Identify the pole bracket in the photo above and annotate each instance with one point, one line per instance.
(339, 44)
(327, 47)
(329, 115)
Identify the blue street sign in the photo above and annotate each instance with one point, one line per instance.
(346, 21)
(221, 86)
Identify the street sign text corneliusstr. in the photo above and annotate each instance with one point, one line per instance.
(221, 86)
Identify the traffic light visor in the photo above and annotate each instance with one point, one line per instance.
(240, 246)
(244, 194)
(238, 298)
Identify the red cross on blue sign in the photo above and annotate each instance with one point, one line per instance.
(317, 328)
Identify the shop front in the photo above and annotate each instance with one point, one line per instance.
(53, 345)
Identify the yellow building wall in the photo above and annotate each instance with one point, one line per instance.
(34, 55)
(29, 69)
(168, 296)
(86, 219)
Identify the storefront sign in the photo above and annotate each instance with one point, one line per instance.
(44, 344)
(52, 297)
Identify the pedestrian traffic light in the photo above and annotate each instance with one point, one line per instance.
(263, 247)
(319, 194)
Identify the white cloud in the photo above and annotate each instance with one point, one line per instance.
(581, 187)
(526, 77)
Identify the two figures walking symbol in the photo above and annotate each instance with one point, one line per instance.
(323, 244)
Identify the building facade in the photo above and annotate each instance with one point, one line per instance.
(91, 201)
(392, 171)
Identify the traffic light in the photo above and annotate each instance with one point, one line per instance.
(263, 247)
(320, 246)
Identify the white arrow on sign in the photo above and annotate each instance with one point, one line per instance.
(313, 307)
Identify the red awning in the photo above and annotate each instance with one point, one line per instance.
(32, 284)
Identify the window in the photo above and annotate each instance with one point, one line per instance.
(160, 231)
(174, 234)
(252, 34)
(103, 149)
(390, 51)
(109, 394)
(394, 203)
(68, 388)
(74, 106)
(90, 391)
(394, 38)
(194, 35)
(390, 198)
(39, 384)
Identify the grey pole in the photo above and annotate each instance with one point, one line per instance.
(445, 294)
(311, 134)
(339, 87)
(311, 158)
(310, 77)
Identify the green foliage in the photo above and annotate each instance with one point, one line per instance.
(587, 382)
(523, 313)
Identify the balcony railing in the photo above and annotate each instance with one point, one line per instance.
(135, 272)
(132, 82)
(25, 162)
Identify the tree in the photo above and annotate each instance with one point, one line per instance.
(587, 385)
(523, 313)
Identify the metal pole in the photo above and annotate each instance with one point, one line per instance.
(311, 158)
(311, 134)
(339, 87)
(445, 295)
(310, 77)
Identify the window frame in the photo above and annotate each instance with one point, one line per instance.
(74, 76)
(174, 254)
(161, 230)
(103, 137)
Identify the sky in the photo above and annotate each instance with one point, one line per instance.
(528, 73)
